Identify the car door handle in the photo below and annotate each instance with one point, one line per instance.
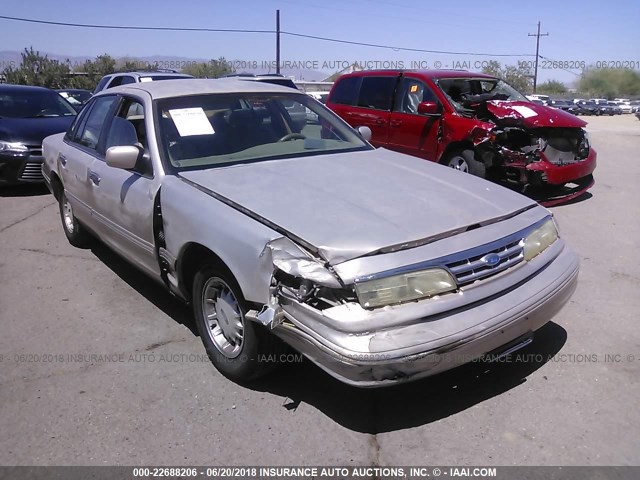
(380, 121)
(395, 123)
(95, 178)
(63, 160)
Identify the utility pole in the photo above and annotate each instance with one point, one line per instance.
(278, 41)
(535, 73)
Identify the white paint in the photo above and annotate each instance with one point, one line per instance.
(526, 112)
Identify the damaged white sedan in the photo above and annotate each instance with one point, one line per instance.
(377, 266)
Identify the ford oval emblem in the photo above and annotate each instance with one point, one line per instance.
(491, 260)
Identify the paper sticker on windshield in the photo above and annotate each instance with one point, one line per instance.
(191, 121)
(146, 79)
(526, 112)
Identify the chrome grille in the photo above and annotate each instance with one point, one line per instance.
(475, 267)
(32, 171)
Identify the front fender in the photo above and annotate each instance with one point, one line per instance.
(192, 216)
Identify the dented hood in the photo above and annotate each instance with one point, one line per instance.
(350, 204)
(531, 115)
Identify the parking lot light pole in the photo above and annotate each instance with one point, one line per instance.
(535, 73)
(278, 41)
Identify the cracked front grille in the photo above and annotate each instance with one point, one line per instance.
(488, 263)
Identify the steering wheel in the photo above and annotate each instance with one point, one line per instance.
(292, 136)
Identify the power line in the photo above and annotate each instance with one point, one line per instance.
(132, 27)
(235, 30)
(406, 49)
(560, 68)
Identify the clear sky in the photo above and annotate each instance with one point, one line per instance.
(579, 30)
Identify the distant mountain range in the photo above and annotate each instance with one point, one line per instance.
(13, 58)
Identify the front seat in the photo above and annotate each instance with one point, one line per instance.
(122, 132)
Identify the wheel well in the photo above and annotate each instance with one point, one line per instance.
(453, 148)
(56, 186)
(191, 260)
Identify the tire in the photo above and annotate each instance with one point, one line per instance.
(239, 348)
(74, 231)
(465, 161)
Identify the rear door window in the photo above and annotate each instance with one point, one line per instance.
(102, 84)
(377, 92)
(78, 123)
(346, 91)
(121, 80)
(91, 130)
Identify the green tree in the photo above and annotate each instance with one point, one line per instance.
(551, 87)
(101, 66)
(518, 76)
(90, 72)
(40, 70)
(212, 69)
(132, 64)
(610, 82)
(494, 68)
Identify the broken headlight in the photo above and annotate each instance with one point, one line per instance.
(404, 288)
(583, 149)
(540, 239)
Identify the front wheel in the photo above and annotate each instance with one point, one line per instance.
(465, 161)
(240, 349)
(74, 231)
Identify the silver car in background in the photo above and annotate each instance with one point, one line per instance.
(377, 266)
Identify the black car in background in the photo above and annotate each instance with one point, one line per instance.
(615, 108)
(77, 97)
(588, 107)
(604, 109)
(566, 105)
(27, 116)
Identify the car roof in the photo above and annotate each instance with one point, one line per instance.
(425, 73)
(193, 86)
(9, 87)
(154, 73)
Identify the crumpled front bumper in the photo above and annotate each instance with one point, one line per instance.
(548, 173)
(425, 345)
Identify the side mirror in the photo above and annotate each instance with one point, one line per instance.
(364, 132)
(123, 156)
(427, 108)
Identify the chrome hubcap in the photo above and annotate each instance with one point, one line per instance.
(224, 318)
(459, 163)
(67, 215)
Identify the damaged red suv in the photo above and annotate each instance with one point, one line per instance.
(471, 122)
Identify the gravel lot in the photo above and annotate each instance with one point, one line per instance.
(160, 404)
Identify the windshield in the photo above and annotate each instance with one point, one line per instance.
(29, 103)
(204, 131)
(76, 96)
(462, 90)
